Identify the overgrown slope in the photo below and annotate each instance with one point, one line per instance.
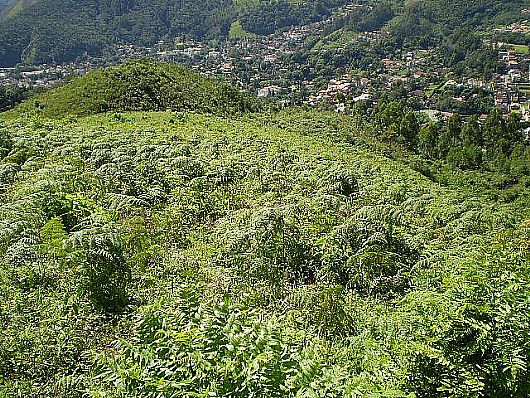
(141, 85)
(179, 254)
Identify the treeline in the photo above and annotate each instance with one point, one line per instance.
(365, 18)
(496, 143)
(12, 96)
(464, 50)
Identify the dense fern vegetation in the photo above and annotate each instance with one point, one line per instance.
(181, 253)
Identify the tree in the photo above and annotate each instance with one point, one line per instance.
(389, 116)
(472, 133)
(454, 129)
(513, 130)
(409, 129)
(493, 129)
(427, 138)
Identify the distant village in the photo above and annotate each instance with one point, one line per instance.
(265, 66)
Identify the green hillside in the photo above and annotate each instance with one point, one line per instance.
(50, 31)
(43, 31)
(184, 254)
(140, 86)
(442, 17)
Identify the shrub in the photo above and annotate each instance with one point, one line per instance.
(191, 348)
(103, 273)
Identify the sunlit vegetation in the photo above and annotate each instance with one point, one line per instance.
(184, 253)
(142, 85)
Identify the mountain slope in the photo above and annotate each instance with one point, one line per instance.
(41, 31)
(444, 16)
(50, 30)
(142, 85)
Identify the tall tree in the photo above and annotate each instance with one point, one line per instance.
(472, 132)
(427, 138)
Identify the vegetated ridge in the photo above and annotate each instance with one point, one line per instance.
(56, 31)
(44, 31)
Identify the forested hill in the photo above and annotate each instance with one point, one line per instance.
(440, 17)
(59, 30)
(40, 31)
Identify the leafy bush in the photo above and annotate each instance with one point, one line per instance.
(191, 348)
(103, 272)
(268, 247)
(479, 347)
(367, 254)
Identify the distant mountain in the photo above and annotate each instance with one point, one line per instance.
(39, 31)
(143, 85)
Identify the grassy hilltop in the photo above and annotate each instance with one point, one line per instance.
(141, 86)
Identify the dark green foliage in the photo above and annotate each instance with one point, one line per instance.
(465, 157)
(480, 348)
(472, 133)
(464, 143)
(6, 143)
(409, 129)
(210, 349)
(367, 255)
(268, 16)
(12, 96)
(427, 139)
(102, 272)
(44, 31)
(424, 21)
(269, 248)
